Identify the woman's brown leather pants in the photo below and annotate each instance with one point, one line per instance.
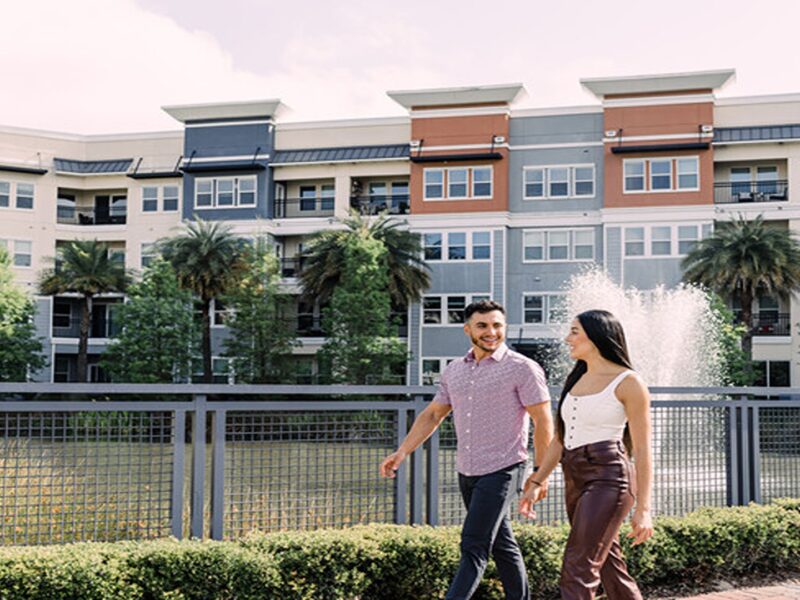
(600, 490)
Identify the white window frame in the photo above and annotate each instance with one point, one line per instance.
(571, 181)
(648, 175)
(445, 247)
(625, 176)
(154, 199)
(546, 308)
(213, 310)
(669, 239)
(164, 198)
(17, 196)
(8, 194)
(13, 193)
(465, 183)
(703, 230)
(571, 231)
(10, 246)
(443, 362)
(470, 184)
(469, 298)
(215, 192)
(696, 160)
(146, 249)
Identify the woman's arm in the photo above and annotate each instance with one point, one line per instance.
(634, 395)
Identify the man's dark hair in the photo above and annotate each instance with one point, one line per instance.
(482, 306)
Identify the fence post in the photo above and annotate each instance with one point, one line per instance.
(178, 464)
(432, 490)
(218, 418)
(401, 477)
(755, 455)
(417, 471)
(198, 466)
(744, 457)
(733, 454)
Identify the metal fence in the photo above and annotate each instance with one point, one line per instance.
(113, 462)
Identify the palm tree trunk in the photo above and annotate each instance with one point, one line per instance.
(208, 370)
(83, 339)
(746, 298)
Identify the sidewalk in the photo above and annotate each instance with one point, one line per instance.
(788, 590)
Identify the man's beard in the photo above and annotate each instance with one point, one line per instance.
(477, 342)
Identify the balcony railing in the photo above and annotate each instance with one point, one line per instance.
(751, 191)
(308, 325)
(772, 324)
(70, 327)
(290, 267)
(78, 215)
(314, 206)
(396, 204)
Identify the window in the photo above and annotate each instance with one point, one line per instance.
(25, 195)
(665, 174)
(456, 246)
(148, 254)
(534, 183)
(544, 308)
(434, 183)
(220, 313)
(453, 307)
(773, 373)
(432, 244)
(431, 371)
(482, 182)
(634, 175)
(558, 182)
(223, 192)
(568, 181)
(22, 253)
(688, 173)
(116, 255)
(661, 241)
(457, 183)
(558, 245)
(460, 183)
(461, 246)
(767, 178)
(660, 174)
(5, 194)
(481, 245)
(308, 197)
(149, 199)
(533, 245)
(634, 241)
(687, 238)
(432, 310)
(584, 181)
(204, 193)
(171, 197)
(62, 313)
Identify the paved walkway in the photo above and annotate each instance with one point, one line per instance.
(788, 590)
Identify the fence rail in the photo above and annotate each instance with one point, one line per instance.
(120, 461)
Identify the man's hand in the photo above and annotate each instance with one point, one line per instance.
(391, 463)
(532, 493)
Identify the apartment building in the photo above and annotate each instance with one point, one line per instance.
(509, 202)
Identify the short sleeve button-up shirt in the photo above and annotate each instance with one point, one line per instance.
(489, 400)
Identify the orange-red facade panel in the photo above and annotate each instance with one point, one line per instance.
(659, 120)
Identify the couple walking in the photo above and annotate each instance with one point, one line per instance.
(603, 419)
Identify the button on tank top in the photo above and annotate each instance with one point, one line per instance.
(594, 417)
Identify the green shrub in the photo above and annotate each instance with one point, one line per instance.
(387, 562)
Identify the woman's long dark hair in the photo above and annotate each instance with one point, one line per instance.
(605, 332)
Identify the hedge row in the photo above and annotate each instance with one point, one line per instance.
(386, 562)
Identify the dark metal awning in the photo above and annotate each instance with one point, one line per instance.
(23, 169)
(661, 147)
(234, 166)
(457, 157)
(92, 167)
(343, 154)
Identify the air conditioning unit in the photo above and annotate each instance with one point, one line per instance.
(611, 133)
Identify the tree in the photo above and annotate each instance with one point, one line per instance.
(158, 334)
(324, 259)
(736, 368)
(84, 267)
(745, 258)
(261, 336)
(360, 346)
(207, 259)
(20, 349)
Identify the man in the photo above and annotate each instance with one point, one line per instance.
(491, 391)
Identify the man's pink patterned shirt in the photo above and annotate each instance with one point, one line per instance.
(489, 399)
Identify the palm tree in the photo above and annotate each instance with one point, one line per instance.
(84, 267)
(207, 259)
(409, 275)
(743, 259)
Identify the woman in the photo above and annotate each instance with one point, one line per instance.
(604, 414)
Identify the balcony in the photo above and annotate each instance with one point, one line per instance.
(78, 215)
(307, 206)
(70, 327)
(772, 324)
(751, 191)
(397, 204)
(310, 325)
(291, 267)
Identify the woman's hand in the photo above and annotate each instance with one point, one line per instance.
(642, 524)
(533, 492)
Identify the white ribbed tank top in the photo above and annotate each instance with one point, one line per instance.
(594, 417)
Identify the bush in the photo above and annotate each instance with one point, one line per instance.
(387, 562)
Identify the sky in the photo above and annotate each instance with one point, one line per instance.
(108, 66)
